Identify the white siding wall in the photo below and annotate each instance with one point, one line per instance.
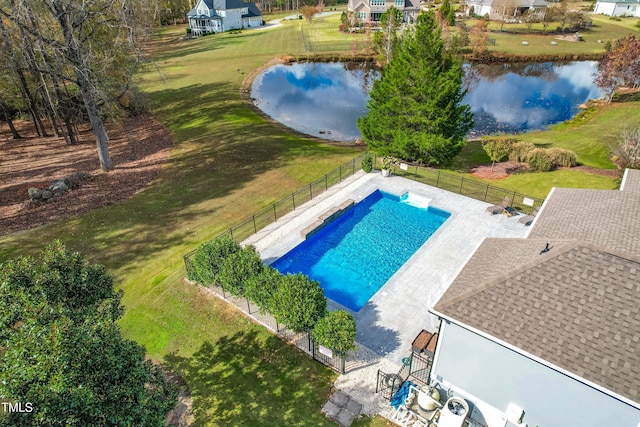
(495, 376)
(254, 21)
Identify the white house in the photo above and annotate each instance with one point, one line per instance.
(618, 7)
(215, 16)
(370, 11)
(494, 8)
(545, 331)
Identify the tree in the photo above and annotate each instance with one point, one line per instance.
(619, 67)
(95, 45)
(447, 13)
(337, 331)
(626, 150)
(386, 40)
(415, 109)
(497, 149)
(63, 351)
(237, 268)
(260, 288)
(480, 39)
(209, 258)
(299, 302)
(308, 12)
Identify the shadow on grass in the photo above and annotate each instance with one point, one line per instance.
(227, 149)
(253, 378)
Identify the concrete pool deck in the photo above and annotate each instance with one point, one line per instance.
(392, 318)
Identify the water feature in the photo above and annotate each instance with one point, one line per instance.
(325, 99)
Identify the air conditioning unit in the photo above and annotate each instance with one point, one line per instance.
(514, 416)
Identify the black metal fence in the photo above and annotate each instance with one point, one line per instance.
(415, 368)
(467, 187)
(303, 340)
(251, 225)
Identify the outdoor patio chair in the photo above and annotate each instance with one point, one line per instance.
(528, 219)
(504, 205)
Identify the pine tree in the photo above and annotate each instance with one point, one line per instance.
(415, 111)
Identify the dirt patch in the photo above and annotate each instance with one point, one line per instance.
(499, 171)
(139, 147)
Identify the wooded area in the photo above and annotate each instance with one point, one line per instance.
(66, 62)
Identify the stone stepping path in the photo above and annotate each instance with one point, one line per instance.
(342, 408)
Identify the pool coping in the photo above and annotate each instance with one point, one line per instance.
(389, 322)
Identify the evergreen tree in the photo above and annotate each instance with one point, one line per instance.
(63, 352)
(415, 111)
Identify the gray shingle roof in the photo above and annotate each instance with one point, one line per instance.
(576, 306)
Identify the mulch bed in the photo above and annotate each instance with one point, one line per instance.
(139, 147)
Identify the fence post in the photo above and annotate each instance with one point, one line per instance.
(255, 229)
(513, 198)
(486, 193)
(231, 233)
(293, 197)
(438, 180)
(340, 173)
(248, 306)
(461, 184)
(326, 182)
(353, 166)
(275, 218)
(310, 192)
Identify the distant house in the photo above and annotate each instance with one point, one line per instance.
(495, 8)
(618, 7)
(370, 11)
(216, 16)
(545, 331)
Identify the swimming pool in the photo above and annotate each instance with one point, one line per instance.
(359, 252)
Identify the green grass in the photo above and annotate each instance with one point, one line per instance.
(603, 29)
(228, 163)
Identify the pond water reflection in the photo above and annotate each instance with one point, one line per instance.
(325, 99)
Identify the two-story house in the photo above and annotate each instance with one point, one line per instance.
(216, 16)
(370, 11)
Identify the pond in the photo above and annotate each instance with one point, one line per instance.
(326, 99)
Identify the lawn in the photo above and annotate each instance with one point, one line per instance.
(228, 163)
(602, 30)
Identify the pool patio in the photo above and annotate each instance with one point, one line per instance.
(389, 322)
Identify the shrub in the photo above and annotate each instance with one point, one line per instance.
(237, 268)
(367, 163)
(337, 331)
(520, 151)
(540, 160)
(561, 157)
(188, 31)
(298, 303)
(261, 287)
(497, 148)
(210, 256)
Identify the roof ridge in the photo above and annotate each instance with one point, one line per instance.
(566, 245)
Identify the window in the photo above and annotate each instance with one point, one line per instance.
(362, 15)
(398, 3)
(377, 2)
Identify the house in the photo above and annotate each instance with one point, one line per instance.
(216, 16)
(545, 330)
(496, 8)
(618, 7)
(370, 11)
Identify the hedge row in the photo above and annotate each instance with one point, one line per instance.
(294, 300)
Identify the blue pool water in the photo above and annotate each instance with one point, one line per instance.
(359, 252)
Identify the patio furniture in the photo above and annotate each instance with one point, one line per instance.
(528, 219)
(502, 207)
(425, 342)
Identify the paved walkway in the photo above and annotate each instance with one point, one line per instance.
(391, 319)
(342, 408)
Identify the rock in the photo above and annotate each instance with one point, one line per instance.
(35, 193)
(76, 178)
(46, 194)
(554, 43)
(58, 186)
